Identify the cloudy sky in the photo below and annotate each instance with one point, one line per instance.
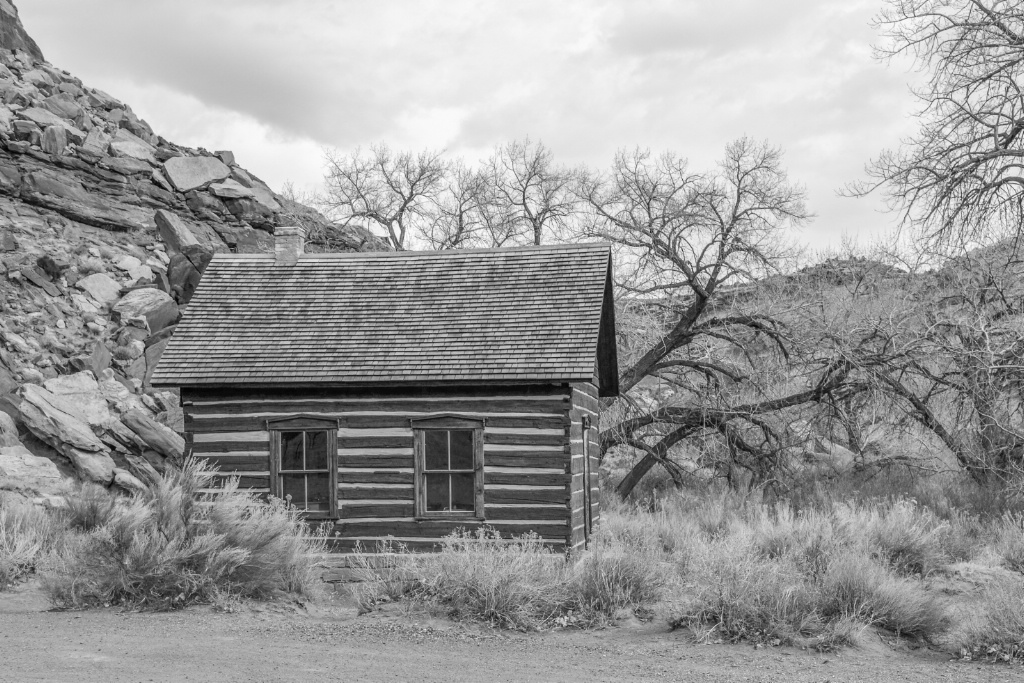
(277, 81)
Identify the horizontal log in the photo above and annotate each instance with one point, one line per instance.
(555, 513)
(248, 463)
(375, 441)
(347, 477)
(377, 510)
(202, 424)
(231, 446)
(538, 405)
(530, 479)
(374, 460)
(527, 496)
(526, 459)
(371, 493)
(524, 439)
(438, 528)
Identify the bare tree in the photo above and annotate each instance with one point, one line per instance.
(712, 363)
(396, 191)
(457, 221)
(960, 177)
(529, 196)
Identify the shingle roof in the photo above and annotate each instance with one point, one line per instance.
(472, 316)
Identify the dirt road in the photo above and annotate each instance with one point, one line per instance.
(330, 643)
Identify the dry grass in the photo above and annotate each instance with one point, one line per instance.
(173, 546)
(28, 535)
(517, 583)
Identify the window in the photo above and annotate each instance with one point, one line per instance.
(449, 467)
(303, 467)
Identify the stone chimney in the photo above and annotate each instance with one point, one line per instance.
(289, 243)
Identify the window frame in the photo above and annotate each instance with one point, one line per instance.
(448, 422)
(305, 423)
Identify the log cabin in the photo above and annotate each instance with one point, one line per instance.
(404, 394)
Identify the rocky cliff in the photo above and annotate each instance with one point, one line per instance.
(105, 228)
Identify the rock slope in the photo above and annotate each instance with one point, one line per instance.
(105, 228)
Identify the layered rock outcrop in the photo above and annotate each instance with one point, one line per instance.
(105, 229)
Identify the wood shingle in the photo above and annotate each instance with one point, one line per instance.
(475, 316)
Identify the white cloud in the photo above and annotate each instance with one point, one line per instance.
(275, 80)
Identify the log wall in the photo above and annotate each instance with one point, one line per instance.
(529, 465)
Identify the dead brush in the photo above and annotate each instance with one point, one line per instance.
(28, 535)
(384, 575)
(173, 546)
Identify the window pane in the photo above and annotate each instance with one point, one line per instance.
(293, 489)
(318, 487)
(291, 450)
(437, 492)
(316, 450)
(462, 492)
(436, 449)
(462, 449)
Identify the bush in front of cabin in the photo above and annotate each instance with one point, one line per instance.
(517, 583)
(174, 545)
(512, 583)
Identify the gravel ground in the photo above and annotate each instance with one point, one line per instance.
(329, 642)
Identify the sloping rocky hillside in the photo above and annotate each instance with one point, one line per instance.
(105, 227)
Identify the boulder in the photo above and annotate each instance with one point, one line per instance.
(24, 472)
(100, 287)
(91, 465)
(263, 195)
(54, 140)
(128, 145)
(128, 262)
(42, 117)
(191, 173)
(97, 142)
(230, 189)
(63, 105)
(183, 278)
(160, 438)
(128, 481)
(174, 231)
(42, 414)
(228, 157)
(79, 396)
(157, 307)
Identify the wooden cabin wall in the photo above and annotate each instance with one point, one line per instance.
(585, 402)
(527, 454)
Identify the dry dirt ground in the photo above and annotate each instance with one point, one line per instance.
(330, 642)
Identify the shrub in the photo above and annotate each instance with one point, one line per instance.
(383, 575)
(855, 586)
(1009, 541)
(1000, 630)
(611, 578)
(27, 535)
(173, 546)
(88, 507)
(905, 536)
(742, 595)
(512, 583)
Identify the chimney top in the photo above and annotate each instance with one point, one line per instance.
(289, 244)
